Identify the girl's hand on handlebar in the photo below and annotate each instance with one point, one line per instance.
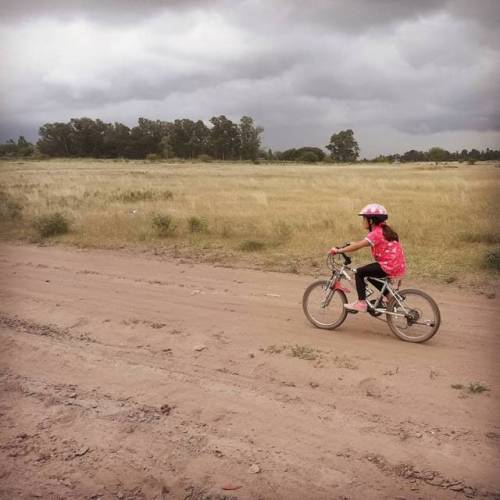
(334, 251)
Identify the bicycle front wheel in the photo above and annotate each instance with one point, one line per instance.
(324, 307)
(416, 319)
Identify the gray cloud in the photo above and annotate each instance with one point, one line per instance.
(416, 69)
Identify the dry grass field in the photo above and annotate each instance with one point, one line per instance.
(281, 217)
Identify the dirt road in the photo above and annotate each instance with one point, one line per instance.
(131, 376)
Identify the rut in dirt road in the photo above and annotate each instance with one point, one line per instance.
(125, 375)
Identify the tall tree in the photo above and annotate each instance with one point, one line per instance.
(199, 139)
(343, 146)
(115, 140)
(249, 138)
(87, 137)
(56, 139)
(438, 154)
(146, 138)
(224, 138)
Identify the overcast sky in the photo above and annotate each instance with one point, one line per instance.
(401, 73)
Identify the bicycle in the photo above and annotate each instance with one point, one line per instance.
(412, 315)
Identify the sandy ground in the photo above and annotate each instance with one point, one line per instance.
(131, 376)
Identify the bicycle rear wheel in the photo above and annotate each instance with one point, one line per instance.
(324, 307)
(420, 318)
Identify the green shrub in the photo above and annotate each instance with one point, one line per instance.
(205, 158)
(252, 246)
(308, 157)
(197, 224)
(164, 225)
(9, 208)
(492, 260)
(51, 224)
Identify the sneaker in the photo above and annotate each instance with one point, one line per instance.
(358, 306)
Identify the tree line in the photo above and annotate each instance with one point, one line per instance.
(183, 138)
(437, 154)
(188, 139)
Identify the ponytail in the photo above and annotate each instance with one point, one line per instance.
(389, 233)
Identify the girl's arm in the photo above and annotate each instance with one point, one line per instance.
(352, 247)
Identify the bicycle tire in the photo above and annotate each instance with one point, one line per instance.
(308, 307)
(401, 332)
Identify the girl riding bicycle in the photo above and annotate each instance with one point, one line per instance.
(386, 250)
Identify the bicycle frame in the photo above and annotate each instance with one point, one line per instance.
(343, 272)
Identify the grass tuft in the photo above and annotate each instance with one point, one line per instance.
(477, 387)
(197, 224)
(164, 225)
(492, 260)
(51, 224)
(303, 352)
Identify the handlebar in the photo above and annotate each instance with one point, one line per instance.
(331, 258)
(347, 260)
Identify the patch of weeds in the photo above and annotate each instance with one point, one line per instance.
(133, 196)
(302, 352)
(252, 246)
(165, 195)
(457, 386)
(51, 224)
(9, 208)
(275, 349)
(477, 387)
(153, 157)
(164, 225)
(197, 224)
(345, 362)
(492, 260)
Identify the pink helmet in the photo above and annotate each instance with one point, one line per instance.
(373, 209)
